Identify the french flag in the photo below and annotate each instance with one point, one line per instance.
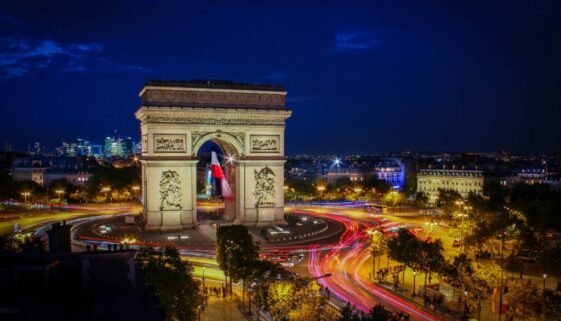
(217, 173)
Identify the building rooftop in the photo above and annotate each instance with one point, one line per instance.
(450, 172)
(214, 84)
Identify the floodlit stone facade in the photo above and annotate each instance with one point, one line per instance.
(429, 181)
(247, 121)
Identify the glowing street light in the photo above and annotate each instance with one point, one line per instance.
(337, 162)
(204, 277)
(25, 195)
(106, 190)
(59, 192)
(135, 188)
(414, 277)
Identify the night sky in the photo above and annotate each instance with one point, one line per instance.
(390, 76)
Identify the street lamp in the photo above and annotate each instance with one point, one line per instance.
(320, 189)
(59, 192)
(25, 195)
(544, 278)
(106, 190)
(414, 277)
(135, 188)
(203, 278)
(465, 303)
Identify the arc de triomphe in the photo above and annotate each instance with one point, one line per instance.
(246, 121)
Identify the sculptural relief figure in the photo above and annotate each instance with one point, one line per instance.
(264, 186)
(170, 191)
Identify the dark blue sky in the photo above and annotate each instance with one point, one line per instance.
(387, 76)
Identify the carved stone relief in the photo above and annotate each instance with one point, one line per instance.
(170, 191)
(169, 143)
(144, 143)
(264, 187)
(265, 143)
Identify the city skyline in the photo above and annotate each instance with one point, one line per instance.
(360, 79)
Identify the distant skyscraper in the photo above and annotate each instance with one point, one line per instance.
(37, 148)
(107, 147)
(7, 147)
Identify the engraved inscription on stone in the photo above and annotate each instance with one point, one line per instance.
(265, 143)
(169, 143)
(170, 191)
(264, 187)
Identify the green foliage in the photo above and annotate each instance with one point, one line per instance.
(342, 183)
(422, 198)
(446, 201)
(116, 178)
(404, 248)
(235, 251)
(380, 186)
(410, 186)
(289, 301)
(173, 281)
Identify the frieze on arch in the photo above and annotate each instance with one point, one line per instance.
(163, 117)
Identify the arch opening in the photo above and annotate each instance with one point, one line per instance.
(211, 205)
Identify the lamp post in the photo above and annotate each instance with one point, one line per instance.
(25, 195)
(465, 303)
(106, 191)
(135, 188)
(320, 189)
(544, 278)
(414, 277)
(59, 192)
(203, 278)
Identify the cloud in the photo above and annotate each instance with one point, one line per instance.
(135, 68)
(19, 56)
(354, 41)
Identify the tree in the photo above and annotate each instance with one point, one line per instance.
(380, 186)
(378, 246)
(429, 259)
(348, 313)
(404, 248)
(173, 282)
(446, 201)
(394, 198)
(524, 298)
(422, 198)
(264, 274)
(282, 299)
(235, 252)
(313, 304)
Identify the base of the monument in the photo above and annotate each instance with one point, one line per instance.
(169, 220)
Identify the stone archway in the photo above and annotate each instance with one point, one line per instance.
(247, 121)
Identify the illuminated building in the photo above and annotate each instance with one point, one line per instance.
(430, 181)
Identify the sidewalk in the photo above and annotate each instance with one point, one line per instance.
(222, 309)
